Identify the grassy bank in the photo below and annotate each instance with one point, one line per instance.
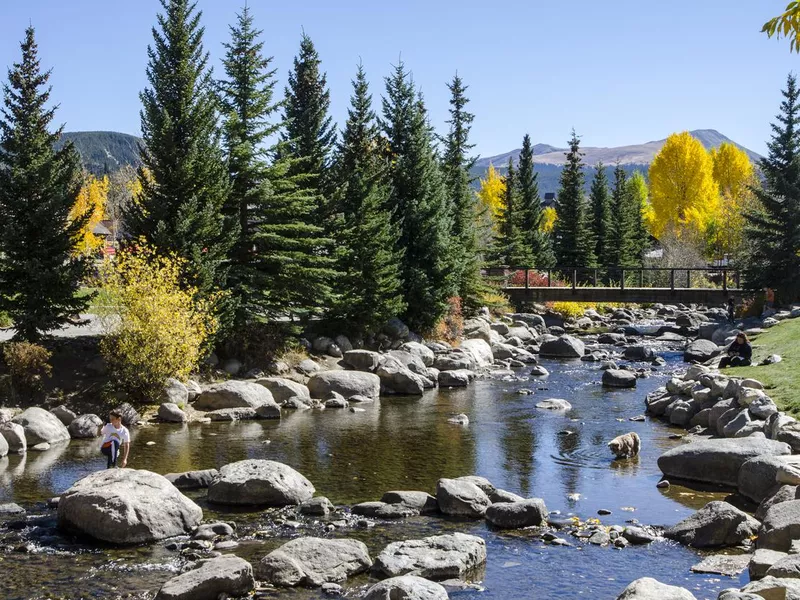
(782, 380)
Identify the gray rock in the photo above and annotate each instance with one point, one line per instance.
(363, 360)
(458, 378)
(648, 588)
(232, 366)
(787, 567)
(762, 407)
(318, 506)
(479, 351)
(406, 587)
(382, 510)
(65, 415)
(399, 379)
(310, 562)
(477, 329)
(776, 494)
(192, 480)
(233, 394)
(171, 413)
(762, 560)
(639, 535)
(228, 575)
(438, 557)
(127, 506)
(41, 426)
(781, 525)
(460, 419)
(484, 484)
(410, 361)
(716, 460)
(515, 515)
(175, 392)
(619, 378)
(259, 483)
(728, 565)
(308, 367)
(701, 351)
(232, 414)
(772, 588)
(565, 346)
(557, 404)
(539, 371)
(11, 509)
(504, 496)
(758, 475)
(336, 400)
(716, 524)
(282, 389)
(461, 498)
(85, 426)
(296, 403)
(193, 389)
(3, 447)
(421, 351)
(347, 383)
(639, 353)
(14, 435)
(453, 361)
(422, 502)
(741, 418)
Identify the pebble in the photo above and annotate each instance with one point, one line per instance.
(603, 512)
(638, 418)
(332, 589)
(150, 444)
(525, 392)
(676, 436)
(663, 484)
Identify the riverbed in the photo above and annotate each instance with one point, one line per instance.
(397, 443)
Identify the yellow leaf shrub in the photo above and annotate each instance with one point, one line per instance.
(571, 310)
(157, 328)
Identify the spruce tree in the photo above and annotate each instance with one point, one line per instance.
(773, 230)
(602, 222)
(369, 259)
(509, 248)
(183, 175)
(624, 235)
(537, 243)
(573, 240)
(419, 202)
(456, 166)
(637, 196)
(40, 269)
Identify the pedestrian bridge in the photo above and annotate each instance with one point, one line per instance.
(710, 286)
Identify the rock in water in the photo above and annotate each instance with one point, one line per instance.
(233, 394)
(565, 346)
(41, 426)
(259, 483)
(14, 435)
(283, 389)
(171, 413)
(310, 562)
(479, 351)
(406, 587)
(346, 383)
(192, 480)
(461, 498)
(781, 525)
(127, 506)
(3, 446)
(228, 575)
(716, 524)
(648, 588)
(421, 501)
(556, 404)
(514, 515)
(85, 426)
(65, 415)
(438, 557)
(619, 378)
(701, 351)
(773, 588)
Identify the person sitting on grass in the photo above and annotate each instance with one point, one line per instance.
(115, 435)
(739, 353)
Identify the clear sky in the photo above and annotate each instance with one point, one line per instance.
(618, 71)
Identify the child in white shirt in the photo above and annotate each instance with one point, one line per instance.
(115, 436)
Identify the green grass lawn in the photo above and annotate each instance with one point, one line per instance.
(781, 380)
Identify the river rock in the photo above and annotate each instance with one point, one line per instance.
(11, 508)
(515, 515)
(421, 351)
(193, 389)
(318, 506)
(85, 426)
(171, 413)
(175, 392)
(14, 436)
(701, 351)
(259, 483)
(459, 378)
(63, 414)
(716, 460)
(336, 401)
(619, 378)
(716, 524)
(382, 510)
(762, 560)
(233, 394)
(762, 407)
(539, 371)
(419, 501)
(781, 525)
(734, 421)
(758, 475)
(127, 506)
(242, 413)
(282, 389)
(398, 379)
(362, 360)
(192, 480)
(453, 361)
(504, 496)
(406, 587)
(41, 426)
(777, 494)
(787, 567)
(477, 329)
(223, 575)
(728, 565)
(719, 409)
(438, 557)
(3, 447)
(557, 404)
(772, 588)
(346, 383)
(461, 498)
(639, 353)
(479, 351)
(310, 562)
(130, 415)
(648, 588)
(565, 346)
(639, 535)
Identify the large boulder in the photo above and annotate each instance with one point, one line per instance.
(192, 480)
(514, 515)
(259, 483)
(619, 378)
(171, 413)
(223, 575)
(565, 346)
(130, 416)
(346, 383)
(233, 394)
(437, 557)
(127, 506)
(420, 501)
(781, 525)
(459, 378)
(363, 360)
(773, 588)
(787, 567)
(3, 447)
(14, 435)
(411, 361)
(453, 361)
(85, 426)
(41, 426)
(716, 524)
(175, 392)
(716, 460)
(311, 562)
(421, 351)
(398, 379)
(701, 351)
(638, 353)
(283, 389)
(64, 414)
(477, 329)
(406, 587)
(759, 475)
(479, 351)
(461, 498)
(648, 588)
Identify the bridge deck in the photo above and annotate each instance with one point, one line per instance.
(709, 296)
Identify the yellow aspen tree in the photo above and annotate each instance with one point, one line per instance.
(734, 174)
(683, 193)
(549, 217)
(92, 199)
(492, 191)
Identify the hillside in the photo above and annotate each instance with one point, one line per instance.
(104, 151)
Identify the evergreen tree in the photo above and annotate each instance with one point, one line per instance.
(183, 175)
(456, 165)
(602, 222)
(773, 230)
(510, 249)
(419, 202)
(624, 238)
(537, 243)
(573, 240)
(637, 196)
(40, 270)
(369, 259)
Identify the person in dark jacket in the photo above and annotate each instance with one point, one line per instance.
(740, 352)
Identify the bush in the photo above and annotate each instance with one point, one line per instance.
(28, 366)
(157, 327)
(5, 320)
(450, 327)
(535, 279)
(497, 303)
(571, 310)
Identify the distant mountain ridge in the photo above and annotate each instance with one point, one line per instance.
(104, 151)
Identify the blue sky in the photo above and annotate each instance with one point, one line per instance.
(619, 71)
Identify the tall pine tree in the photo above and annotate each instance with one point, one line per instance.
(602, 222)
(530, 212)
(40, 270)
(623, 243)
(509, 248)
(638, 198)
(183, 175)
(773, 230)
(573, 240)
(369, 259)
(456, 165)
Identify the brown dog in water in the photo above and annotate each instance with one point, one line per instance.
(625, 446)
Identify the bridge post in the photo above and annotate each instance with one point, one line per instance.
(548, 277)
(527, 285)
(641, 278)
(574, 278)
(688, 278)
(724, 280)
(622, 280)
(595, 278)
(672, 279)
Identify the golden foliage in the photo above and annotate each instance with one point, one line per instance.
(157, 328)
(492, 191)
(684, 195)
(451, 326)
(92, 200)
(571, 310)
(787, 25)
(549, 219)
(735, 175)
